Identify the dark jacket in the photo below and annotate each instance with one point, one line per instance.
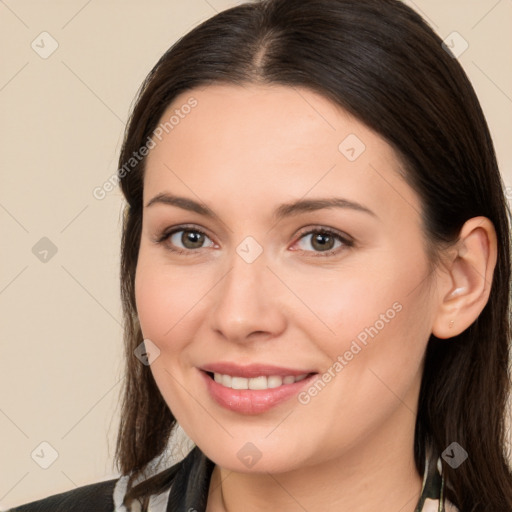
(190, 480)
(89, 498)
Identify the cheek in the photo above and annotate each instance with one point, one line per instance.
(379, 321)
(166, 301)
(361, 302)
(373, 369)
(152, 301)
(172, 304)
(163, 298)
(381, 337)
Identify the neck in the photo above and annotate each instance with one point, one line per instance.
(377, 474)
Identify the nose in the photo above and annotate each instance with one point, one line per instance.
(249, 302)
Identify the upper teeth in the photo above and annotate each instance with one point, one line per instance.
(262, 382)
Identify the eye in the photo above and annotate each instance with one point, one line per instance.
(324, 241)
(185, 239)
(189, 239)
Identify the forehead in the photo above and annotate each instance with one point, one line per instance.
(271, 140)
(260, 117)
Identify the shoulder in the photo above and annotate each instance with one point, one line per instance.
(97, 497)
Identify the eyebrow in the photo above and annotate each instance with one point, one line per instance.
(284, 210)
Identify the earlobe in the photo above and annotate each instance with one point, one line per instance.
(466, 283)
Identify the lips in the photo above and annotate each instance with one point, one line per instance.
(255, 388)
(254, 370)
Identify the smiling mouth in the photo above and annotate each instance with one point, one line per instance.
(261, 382)
(254, 389)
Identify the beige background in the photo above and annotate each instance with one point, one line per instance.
(61, 125)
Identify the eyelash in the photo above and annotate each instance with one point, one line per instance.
(344, 239)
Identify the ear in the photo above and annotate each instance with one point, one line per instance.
(465, 285)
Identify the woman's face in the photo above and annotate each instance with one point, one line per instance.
(293, 248)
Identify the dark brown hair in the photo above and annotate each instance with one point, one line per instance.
(381, 62)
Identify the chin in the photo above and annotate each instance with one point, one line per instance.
(259, 456)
